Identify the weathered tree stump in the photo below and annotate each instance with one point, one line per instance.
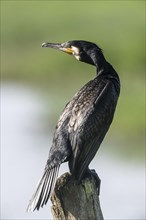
(74, 201)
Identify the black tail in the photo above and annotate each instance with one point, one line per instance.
(44, 189)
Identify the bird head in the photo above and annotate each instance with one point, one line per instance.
(82, 50)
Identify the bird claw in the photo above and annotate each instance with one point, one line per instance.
(97, 180)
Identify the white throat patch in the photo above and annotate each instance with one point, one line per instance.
(76, 52)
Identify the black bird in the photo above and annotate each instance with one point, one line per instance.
(84, 121)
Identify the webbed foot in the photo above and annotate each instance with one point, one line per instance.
(97, 180)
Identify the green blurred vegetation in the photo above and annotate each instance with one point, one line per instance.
(116, 26)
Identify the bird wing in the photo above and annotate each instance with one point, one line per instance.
(89, 124)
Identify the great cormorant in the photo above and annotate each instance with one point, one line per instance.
(84, 121)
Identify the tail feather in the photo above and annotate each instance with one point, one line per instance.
(52, 186)
(46, 192)
(44, 189)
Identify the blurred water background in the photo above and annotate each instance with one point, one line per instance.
(36, 83)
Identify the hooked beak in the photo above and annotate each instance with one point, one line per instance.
(58, 46)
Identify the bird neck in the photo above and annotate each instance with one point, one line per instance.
(101, 65)
(99, 61)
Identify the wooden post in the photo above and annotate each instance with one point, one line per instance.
(73, 201)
